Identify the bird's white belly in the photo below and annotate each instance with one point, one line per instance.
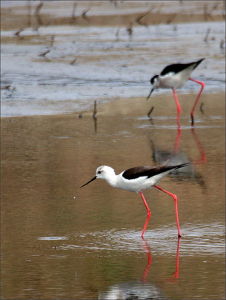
(139, 184)
(173, 80)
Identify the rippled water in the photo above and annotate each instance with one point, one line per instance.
(201, 239)
(62, 242)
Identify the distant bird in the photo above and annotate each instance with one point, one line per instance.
(174, 77)
(138, 179)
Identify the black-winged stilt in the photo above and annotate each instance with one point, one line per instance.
(138, 179)
(175, 76)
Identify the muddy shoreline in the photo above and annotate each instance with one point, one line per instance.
(109, 54)
(162, 104)
(87, 14)
(12, 22)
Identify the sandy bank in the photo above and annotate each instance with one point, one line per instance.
(109, 13)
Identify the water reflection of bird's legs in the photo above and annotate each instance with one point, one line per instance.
(149, 260)
(200, 148)
(176, 274)
(147, 249)
(177, 140)
(178, 107)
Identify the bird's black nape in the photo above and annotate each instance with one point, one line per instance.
(152, 80)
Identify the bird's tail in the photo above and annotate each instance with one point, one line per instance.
(180, 166)
(166, 168)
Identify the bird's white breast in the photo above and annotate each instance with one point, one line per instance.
(138, 184)
(172, 80)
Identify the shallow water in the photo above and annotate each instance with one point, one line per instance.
(101, 63)
(62, 242)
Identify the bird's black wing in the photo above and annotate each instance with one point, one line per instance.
(136, 172)
(176, 68)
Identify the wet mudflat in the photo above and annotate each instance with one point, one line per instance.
(62, 242)
(61, 69)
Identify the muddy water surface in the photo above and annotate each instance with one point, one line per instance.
(62, 242)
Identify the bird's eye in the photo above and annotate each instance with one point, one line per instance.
(99, 172)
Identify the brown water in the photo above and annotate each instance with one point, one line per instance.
(62, 242)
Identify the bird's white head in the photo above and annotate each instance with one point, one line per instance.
(104, 172)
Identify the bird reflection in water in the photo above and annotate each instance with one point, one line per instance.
(141, 290)
(175, 156)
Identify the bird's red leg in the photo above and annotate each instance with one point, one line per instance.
(176, 274)
(148, 214)
(197, 98)
(178, 106)
(176, 206)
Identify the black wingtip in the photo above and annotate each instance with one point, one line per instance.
(199, 62)
(202, 59)
(182, 165)
(175, 167)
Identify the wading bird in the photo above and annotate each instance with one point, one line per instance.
(174, 77)
(138, 179)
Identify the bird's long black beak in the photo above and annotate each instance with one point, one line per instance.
(88, 181)
(152, 90)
